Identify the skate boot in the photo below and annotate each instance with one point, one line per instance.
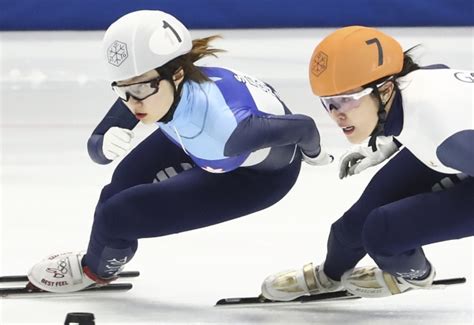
(372, 282)
(288, 285)
(63, 273)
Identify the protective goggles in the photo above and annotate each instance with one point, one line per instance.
(139, 91)
(346, 102)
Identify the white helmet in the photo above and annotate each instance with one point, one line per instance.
(142, 41)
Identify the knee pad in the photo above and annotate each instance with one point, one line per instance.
(348, 228)
(374, 234)
(108, 191)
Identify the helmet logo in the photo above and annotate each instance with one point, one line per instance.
(117, 53)
(379, 49)
(320, 63)
(165, 40)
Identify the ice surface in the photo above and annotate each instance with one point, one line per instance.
(52, 94)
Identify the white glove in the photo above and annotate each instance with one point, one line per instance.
(116, 142)
(360, 158)
(322, 159)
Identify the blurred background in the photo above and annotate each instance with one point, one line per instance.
(205, 14)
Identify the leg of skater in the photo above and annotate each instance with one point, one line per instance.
(394, 234)
(190, 200)
(345, 246)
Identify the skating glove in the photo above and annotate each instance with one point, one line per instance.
(359, 158)
(116, 142)
(322, 159)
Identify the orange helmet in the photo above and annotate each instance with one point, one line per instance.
(352, 57)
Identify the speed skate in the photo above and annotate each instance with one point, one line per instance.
(327, 296)
(16, 286)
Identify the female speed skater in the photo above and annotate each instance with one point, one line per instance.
(226, 147)
(423, 195)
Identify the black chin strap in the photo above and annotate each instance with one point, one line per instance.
(176, 98)
(382, 117)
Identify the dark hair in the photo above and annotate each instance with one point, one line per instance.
(409, 64)
(201, 48)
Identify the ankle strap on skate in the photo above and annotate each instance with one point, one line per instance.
(310, 277)
(87, 271)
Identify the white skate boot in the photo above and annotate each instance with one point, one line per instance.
(62, 273)
(288, 285)
(372, 282)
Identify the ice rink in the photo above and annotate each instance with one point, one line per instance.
(52, 95)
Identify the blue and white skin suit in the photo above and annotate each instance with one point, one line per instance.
(231, 148)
